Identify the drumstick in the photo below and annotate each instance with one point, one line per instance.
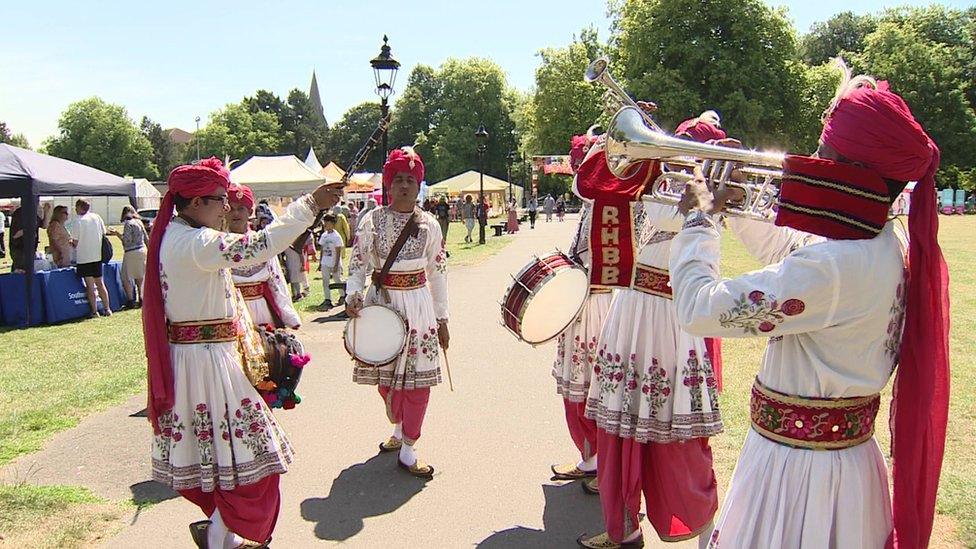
(447, 364)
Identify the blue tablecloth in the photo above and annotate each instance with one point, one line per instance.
(58, 295)
(13, 294)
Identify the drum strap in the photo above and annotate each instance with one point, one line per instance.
(410, 229)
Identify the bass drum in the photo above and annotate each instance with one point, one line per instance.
(545, 297)
(376, 337)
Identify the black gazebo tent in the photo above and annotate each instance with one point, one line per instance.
(28, 175)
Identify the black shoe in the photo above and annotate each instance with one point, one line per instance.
(198, 531)
(342, 301)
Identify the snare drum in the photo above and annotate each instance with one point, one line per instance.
(377, 336)
(544, 298)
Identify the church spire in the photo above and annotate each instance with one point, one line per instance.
(313, 95)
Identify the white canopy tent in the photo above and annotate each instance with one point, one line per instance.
(469, 182)
(276, 176)
(312, 161)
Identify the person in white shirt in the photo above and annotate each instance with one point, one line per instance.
(88, 231)
(331, 244)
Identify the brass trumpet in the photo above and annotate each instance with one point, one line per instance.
(615, 97)
(630, 141)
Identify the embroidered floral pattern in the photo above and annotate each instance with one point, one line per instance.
(405, 280)
(203, 429)
(237, 248)
(896, 323)
(440, 261)
(429, 344)
(170, 432)
(759, 313)
(387, 225)
(609, 370)
(213, 332)
(251, 291)
(249, 427)
(652, 280)
(693, 380)
(656, 387)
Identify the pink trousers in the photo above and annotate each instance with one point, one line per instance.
(408, 408)
(249, 511)
(677, 480)
(582, 430)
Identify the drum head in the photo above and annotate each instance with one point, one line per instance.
(555, 305)
(377, 336)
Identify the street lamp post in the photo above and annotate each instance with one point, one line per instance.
(512, 157)
(481, 136)
(385, 70)
(196, 137)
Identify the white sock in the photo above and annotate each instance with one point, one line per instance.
(216, 532)
(587, 464)
(398, 431)
(407, 455)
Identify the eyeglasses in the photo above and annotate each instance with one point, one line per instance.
(221, 199)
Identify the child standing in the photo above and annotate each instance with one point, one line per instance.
(331, 244)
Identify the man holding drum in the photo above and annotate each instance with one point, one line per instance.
(263, 285)
(832, 300)
(399, 248)
(215, 442)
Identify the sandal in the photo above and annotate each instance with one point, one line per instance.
(603, 541)
(392, 445)
(198, 531)
(419, 469)
(570, 472)
(591, 486)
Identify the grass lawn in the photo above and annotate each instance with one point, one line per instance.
(54, 376)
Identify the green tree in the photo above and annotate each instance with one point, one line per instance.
(818, 88)
(738, 57)
(102, 135)
(350, 133)
(238, 133)
(564, 104)
(416, 110)
(166, 154)
(842, 34)
(17, 139)
(473, 92)
(924, 73)
(302, 128)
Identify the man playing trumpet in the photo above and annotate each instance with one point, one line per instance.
(832, 301)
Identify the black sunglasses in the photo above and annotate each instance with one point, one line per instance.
(216, 198)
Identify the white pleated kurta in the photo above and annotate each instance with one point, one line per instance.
(270, 272)
(833, 312)
(576, 346)
(220, 433)
(418, 366)
(655, 381)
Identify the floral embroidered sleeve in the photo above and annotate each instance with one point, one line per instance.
(769, 243)
(282, 296)
(799, 294)
(436, 268)
(360, 267)
(213, 250)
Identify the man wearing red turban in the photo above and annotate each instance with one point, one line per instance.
(839, 286)
(654, 392)
(262, 286)
(414, 284)
(215, 441)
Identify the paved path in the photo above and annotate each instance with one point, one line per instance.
(491, 441)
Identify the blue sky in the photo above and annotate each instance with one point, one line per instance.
(177, 60)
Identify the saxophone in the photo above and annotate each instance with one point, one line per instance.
(357, 162)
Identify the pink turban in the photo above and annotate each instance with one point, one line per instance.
(701, 128)
(403, 160)
(241, 194)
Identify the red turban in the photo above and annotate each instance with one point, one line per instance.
(201, 179)
(875, 128)
(403, 160)
(240, 194)
(701, 128)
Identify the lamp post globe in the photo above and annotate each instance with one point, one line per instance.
(481, 136)
(385, 69)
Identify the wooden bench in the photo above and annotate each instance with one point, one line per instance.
(498, 229)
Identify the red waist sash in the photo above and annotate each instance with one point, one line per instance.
(205, 331)
(252, 290)
(405, 280)
(813, 423)
(652, 280)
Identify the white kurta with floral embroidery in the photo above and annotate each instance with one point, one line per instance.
(418, 366)
(576, 346)
(220, 433)
(270, 272)
(833, 313)
(653, 381)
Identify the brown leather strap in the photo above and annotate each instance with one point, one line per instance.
(412, 228)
